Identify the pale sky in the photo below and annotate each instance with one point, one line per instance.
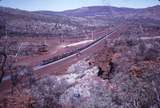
(60, 5)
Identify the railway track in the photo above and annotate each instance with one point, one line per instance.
(68, 55)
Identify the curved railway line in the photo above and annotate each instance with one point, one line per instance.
(61, 58)
(68, 55)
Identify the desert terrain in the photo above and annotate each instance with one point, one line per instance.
(91, 57)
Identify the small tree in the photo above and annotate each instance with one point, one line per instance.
(3, 54)
(14, 79)
(3, 58)
(7, 49)
(30, 77)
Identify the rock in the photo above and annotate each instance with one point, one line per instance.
(79, 67)
(123, 91)
(79, 71)
(52, 87)
(84, 94)
(82, 88)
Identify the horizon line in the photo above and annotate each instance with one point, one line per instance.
(77, 8)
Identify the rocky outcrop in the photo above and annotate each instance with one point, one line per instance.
(123, 91)
(82, 88)
(52, 87)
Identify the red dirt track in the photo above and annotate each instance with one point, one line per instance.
(60, 67)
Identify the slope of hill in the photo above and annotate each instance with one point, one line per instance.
(108, 11)
(71, 22)
(25, 22)
(105, 15)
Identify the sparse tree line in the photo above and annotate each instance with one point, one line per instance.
(35, 27)
(22, 22)
(143, 49)
(132, 49)
(8, 57)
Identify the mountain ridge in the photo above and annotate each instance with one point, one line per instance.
(92, 10)
(71, 21)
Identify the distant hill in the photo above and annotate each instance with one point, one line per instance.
(20, 22)
(151, 12)
(107, 15)
(71, 22)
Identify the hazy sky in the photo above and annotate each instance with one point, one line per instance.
(59, 5)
